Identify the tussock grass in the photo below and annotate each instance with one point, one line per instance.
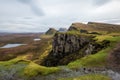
(34, 69)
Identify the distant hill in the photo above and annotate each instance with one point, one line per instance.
(95, 26)
(51, 31)
(62, 30)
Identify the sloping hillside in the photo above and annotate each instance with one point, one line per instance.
(71, 54)
(51, 31)
(94, 26)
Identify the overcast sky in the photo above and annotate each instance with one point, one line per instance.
(40, 15)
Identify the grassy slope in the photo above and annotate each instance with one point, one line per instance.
(30, 69)
(97, 27)
(34, 69)
(98, 59)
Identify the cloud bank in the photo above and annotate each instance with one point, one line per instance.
(39, 15)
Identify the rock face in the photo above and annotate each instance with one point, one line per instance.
(51, 31)
(69, 47)
(67, 43)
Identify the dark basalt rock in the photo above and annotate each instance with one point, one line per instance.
(66, 43)
(69, 47)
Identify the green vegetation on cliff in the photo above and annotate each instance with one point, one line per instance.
(99, 59)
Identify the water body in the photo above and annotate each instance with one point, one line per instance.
(11, 45)
(37, 39)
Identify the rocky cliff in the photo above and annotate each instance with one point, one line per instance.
(68, 47)
(95, 26)
(67, 43)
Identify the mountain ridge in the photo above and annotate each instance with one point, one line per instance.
(95, 26)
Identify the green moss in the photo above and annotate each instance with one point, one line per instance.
(70, 32)
(13, 67)
(34, 69)
(77, 33)
(13, 61)
(73, 32)
(101, 38)
(89, 77)
(29, 69)
(95, 60)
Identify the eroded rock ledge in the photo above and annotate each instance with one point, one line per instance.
(68, 47)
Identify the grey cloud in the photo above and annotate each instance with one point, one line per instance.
(32, 3)
(25, 1)
(37, 10)
(101, 2)
(57, 13)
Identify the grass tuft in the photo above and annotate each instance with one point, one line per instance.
(34, 69)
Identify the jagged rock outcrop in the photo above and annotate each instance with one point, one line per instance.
(68, 47)
(51, 31)
(67, 43)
